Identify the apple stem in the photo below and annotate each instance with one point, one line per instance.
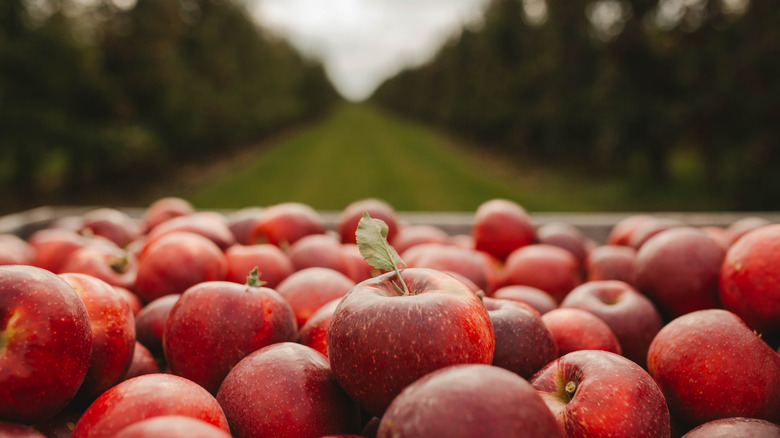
(570, 389)
(253, 279)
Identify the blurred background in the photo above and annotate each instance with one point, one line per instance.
(576, 105)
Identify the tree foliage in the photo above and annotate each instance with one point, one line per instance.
(621, 85)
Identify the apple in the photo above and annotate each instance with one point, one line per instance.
(621, 232)
(113, 334)
(147, 396)
(215, 324)
(209, 224)
(53, 245)
(735, 427)
(163, 209)
(464, 261)
(563, 235)
(132, 299)
(115, 225)
(501, 226)
(416, 234)
(273, 264)
(524, 344)
(546, 267)
(678, 269)
(241, 221)
(111, 264)
(383, 337)
(597, 393)
(710, 365)
(309, 289)
(283, 224)
(16, 430)
(632, 316)
(176, 261)
(718, 234)
(348, 220)
(610, 262)
(358, 268)
(469, 400)
(15, 251)
(286, 390)
(143, 362)
(314, 333)
(45, 343)
(172, 426)
(742, 226)
(577, 329)
(150, 323)
(540, 300)
(649, 228)
(750, 282)
(318, 250)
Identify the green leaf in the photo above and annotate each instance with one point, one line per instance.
(371, 236)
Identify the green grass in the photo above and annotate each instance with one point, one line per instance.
(360, 151)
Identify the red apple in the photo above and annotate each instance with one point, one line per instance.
(416, 234)
(540, 300)
(621, 232)
(381, 339)
(501, 226)
(610, 262)
(164, 209)
(601, 394)
(577, 329)
(311, 288)
(283, 224)
(208, 224)
(649, 228)
(563, 235)
(131, 298)
(314, 333)
(710, 365)
(143, 362)
(318, 250)
(286, 390)
(546, 267)
(15, 251)
(16, 430)
(750, 281)
(469, 400)
(466, 262)
(113, 265)
(113, 334)
(358, 268)
(115, 225)
(215, 324)
(241, 221)
(678, 269)
(53, 245)
(147, 396)
(45, 343)
(150, 323)
(735, 427)
(740, 227)
(172, 426)
(524, 344)
(272, 263)
(175, 262)
(632, 316)
(347, 222)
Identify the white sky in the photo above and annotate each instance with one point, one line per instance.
(363, 42)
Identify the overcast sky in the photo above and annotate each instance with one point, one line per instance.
(363, 42)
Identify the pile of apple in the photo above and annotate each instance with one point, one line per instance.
(267, 322)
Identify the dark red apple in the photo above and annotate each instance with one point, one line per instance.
(524, 344)
(381, 339)
(314, 333)
(735, 427)
(147, 396)
(143, 362)
(215, 324)
(115, 225)
(710, 365)
(678, 269)
(209, 224)
(283, 224)
(16, 430)
(501, 226)
(286, 390)
(577, 329)
(347, 222)
(610, 262)
(45, 343)
(563, 235)
(164, 209)
(113, 334)
(596, 393)
(469, 401)
(632, 316)
(311, 288)
(241, 221)
(150, 323)
(15, 251)
(172, 426)
(540, 300)
(318, 250)
(750, 280)
(272, 263)
(546, 267)
(175, 262)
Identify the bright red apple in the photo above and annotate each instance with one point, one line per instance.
(147, 396)
(113, 265)
(610, 262)
(45, 343)
(381, 339)
(501, 226)
(209, 224)
(318, 250)
(710, 365)
(314, 333)
(286, 390)
(540, 300)
(577, 329)
(348, 220)
(546, 267)
(416, 234)
(215, 324)
(164, 209)
(358, 268)
(283, 224)
(601, 394)
(466, 262)
(469, 400)
(272, 263)
(311, 288)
